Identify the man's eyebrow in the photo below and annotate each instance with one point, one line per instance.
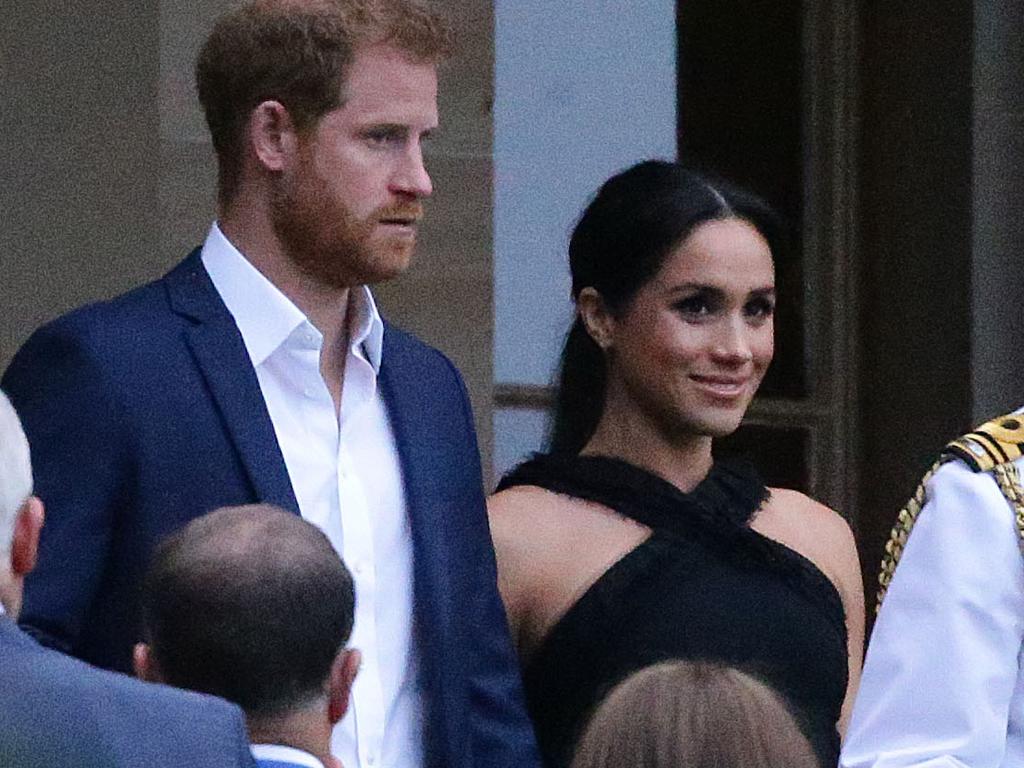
(389, 128)
(395, 129)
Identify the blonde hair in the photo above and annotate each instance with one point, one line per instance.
(15, 471)
(684, 714)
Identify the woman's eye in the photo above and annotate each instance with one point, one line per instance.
(694, 307)
(760, 308)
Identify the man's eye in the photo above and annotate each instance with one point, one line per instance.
(383, 138)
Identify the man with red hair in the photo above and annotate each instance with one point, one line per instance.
(259, 370)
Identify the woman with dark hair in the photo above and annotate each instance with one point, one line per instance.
(628, 544)
(681, 714)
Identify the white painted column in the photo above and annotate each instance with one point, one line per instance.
(583, 88)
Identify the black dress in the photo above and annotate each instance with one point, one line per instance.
(704, 585)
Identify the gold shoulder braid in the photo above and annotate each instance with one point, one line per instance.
(992, 447)
(993, 444)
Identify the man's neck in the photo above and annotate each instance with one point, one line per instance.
(309, 731)
(11, 588)
(249, 230)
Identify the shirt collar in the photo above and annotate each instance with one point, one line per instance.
(367, 328)
(284, 754)
(266, 317)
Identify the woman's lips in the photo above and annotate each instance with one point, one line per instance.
(722, 386)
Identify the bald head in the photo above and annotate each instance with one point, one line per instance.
(249, 603)
(15, 472)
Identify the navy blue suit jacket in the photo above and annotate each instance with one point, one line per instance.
(55, 710)
(145, 412)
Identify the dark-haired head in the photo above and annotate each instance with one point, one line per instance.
(637, 219)
(251, 604)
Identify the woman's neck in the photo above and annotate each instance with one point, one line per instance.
(683, 460)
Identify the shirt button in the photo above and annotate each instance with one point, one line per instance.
(370, 760)
(358, 568)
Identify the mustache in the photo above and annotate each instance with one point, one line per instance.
(410, 210)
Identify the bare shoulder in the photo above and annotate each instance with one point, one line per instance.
(550, 548)
(525, 515)
(804, 515)
(824, 537)
(521, 504)
(535, 519)
(513, 514)
(817, 532)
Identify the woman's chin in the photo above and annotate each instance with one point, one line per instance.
(715, 426)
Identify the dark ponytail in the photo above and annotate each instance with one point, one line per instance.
(579, 398)
(636, 219)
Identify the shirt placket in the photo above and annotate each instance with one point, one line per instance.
(320, 424)
(358, 553)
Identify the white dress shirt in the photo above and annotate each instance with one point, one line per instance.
(347, 480)
(282, 754)
(943, 684)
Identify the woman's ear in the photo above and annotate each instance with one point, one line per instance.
(597, 320)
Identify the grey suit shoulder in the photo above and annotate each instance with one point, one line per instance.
(55, 710)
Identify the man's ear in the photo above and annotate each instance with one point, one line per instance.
(145, 665)
(272, 135)
(598, 322)
(343, 674)
(25, 542)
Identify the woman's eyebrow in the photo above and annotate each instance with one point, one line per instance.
(690, 287)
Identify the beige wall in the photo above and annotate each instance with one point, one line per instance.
(78, 156)
(447, 296)
(108, 176)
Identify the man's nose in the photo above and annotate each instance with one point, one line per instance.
(411, 177)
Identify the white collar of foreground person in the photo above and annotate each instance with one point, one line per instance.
(279, 753)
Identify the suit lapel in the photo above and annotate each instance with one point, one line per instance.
(416, 434)
(399, 388)
(220, 354)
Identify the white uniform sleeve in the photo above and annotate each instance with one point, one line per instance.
(942, 663)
